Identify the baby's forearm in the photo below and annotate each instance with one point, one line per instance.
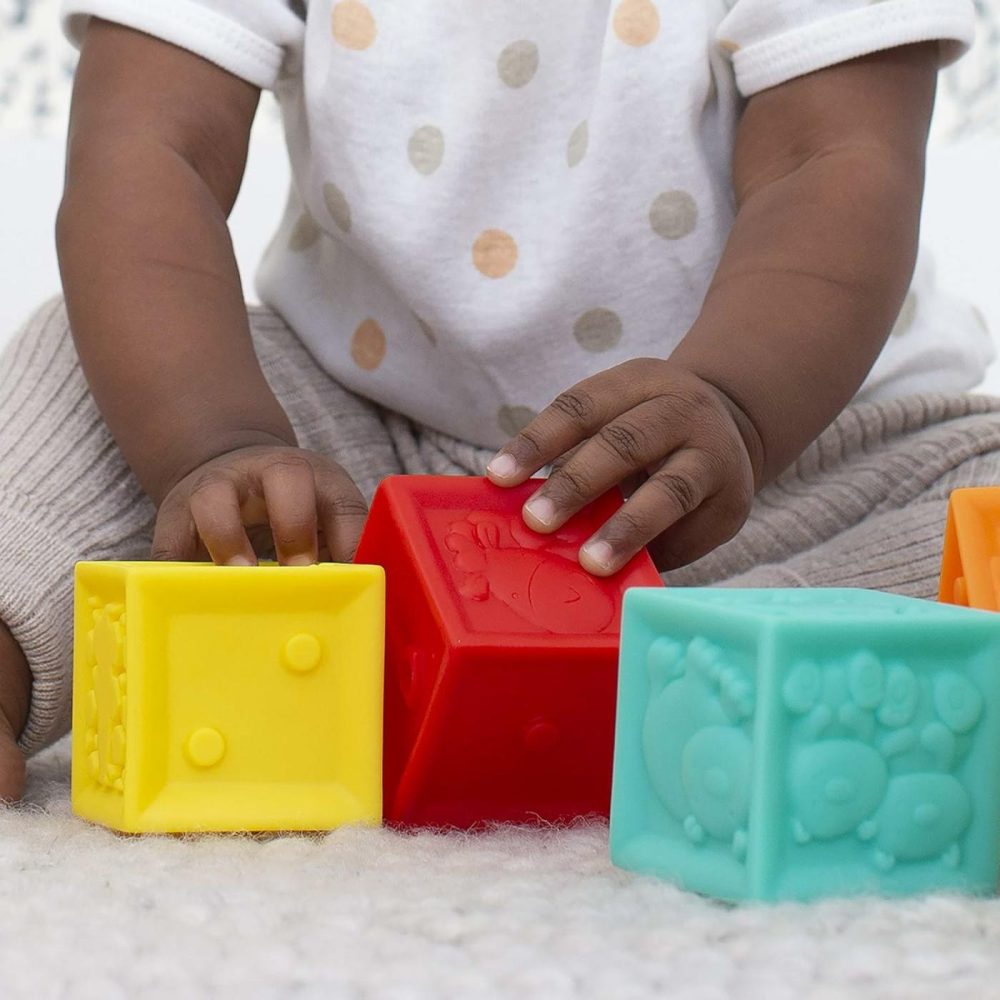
(151, 282)
(829, 179)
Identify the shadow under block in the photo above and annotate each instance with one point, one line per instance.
(970, 562)
(227, 698)
(794, 744)
(501, 655)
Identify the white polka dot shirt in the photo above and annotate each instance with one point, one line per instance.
(492, 201)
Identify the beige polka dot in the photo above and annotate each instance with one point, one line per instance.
(304, 233)
(426, 329)
(518, 63)
(636, 22)
(426, 149)
(337, 206)
(598, 330)
(907, 311)
(673, 214)
(512, 419)
(368, 345)
(494, 253)
(353, 25)
(728, 46)
(576, 148)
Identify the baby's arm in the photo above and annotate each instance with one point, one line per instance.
(828, 177)
(157, 147)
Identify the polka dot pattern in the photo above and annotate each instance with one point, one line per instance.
(338, 207)
(513, 419)
(368, 345)
(426, 149)
(673, 215)
(598, 330)
(576, 148)
(636, 22)
(304, 233)
(494, 253)
(353, 25)
(518, 63)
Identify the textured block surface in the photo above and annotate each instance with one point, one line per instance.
(223, 698)
(970, 562)
(501, 655)
(791, 744)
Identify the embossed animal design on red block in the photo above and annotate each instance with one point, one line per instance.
(502, 557)
(501, 655)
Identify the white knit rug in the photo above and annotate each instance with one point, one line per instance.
(373, 914)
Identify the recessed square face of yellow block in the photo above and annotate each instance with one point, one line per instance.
(228, 698)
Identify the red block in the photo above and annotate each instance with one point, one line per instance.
(501, 655)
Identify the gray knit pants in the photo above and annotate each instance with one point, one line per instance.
(863, 507)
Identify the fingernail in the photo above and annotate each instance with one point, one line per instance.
(239, 561)
(302, 560)
(502, 466)
(599, 553)
(542, 509)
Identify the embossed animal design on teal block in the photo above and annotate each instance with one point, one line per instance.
(777, 744)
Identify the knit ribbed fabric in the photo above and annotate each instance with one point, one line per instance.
(65, 494)
(864, 505)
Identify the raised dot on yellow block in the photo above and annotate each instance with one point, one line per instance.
(302, 652)
(205, 747)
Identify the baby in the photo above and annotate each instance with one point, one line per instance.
(653, 244)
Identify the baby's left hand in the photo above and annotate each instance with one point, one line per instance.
(672, 442)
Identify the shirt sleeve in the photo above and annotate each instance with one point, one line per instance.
(771, 41)
(249, 38)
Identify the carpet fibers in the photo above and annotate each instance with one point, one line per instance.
(372, 913)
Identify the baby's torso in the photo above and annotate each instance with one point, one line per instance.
(493, 201)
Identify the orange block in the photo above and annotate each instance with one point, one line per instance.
(970, 564)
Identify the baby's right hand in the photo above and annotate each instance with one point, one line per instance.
(308, 502)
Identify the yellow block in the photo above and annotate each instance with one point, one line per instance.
(228, 698)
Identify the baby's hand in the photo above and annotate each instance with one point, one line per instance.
(307, 501)
(660, 432)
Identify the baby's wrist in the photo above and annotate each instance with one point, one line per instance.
(750, 434)
(221, 441)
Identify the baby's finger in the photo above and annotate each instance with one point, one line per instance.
(175, 537)
(290, 494)
(637, 439)
(671, 493)
(572, 417)
(342, 512)
(215, 508)
(714, 522)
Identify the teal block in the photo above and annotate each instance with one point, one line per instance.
(794, 744)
